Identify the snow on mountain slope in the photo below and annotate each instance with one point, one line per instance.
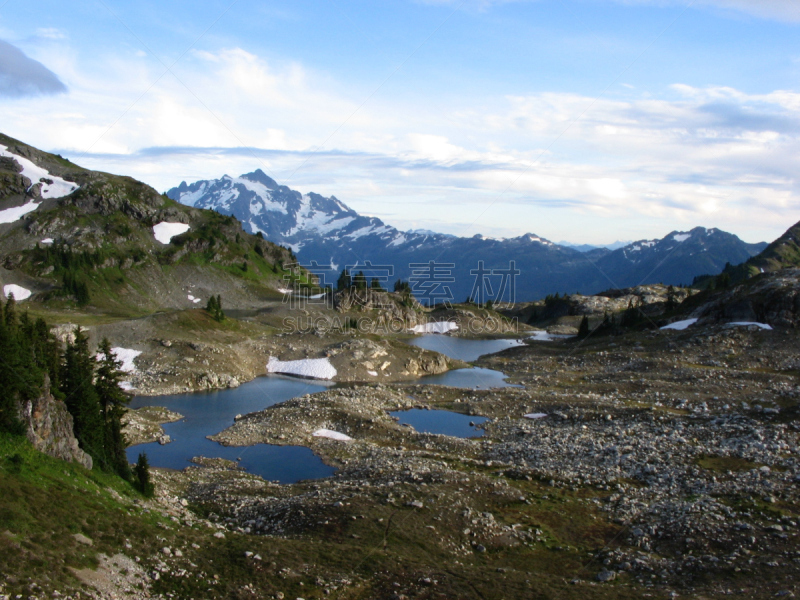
(328, 232)
(52, 186)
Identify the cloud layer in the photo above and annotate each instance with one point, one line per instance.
(21, 76)
(625, 166)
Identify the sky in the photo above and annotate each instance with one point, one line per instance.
(587, 121)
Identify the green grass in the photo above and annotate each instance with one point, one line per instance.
(726, 463)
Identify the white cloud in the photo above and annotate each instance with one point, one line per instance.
(781, 10)
(692, 156)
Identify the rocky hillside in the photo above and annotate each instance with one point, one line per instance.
(327, 231)
(71, 237)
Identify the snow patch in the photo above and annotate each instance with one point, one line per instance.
(681, 237)
(193, 299)
(435, 327)
(47, 241)
(543, 336)
(126, 355)
(10, 215)
(58, 189)
(165, 231)
(126, 385)
(535, 415)
(746, 323)
(316, 368)
(284, 291)
(680, 325)
(373, 373)
(20, 293)
(332, 435)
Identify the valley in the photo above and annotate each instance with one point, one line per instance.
(355, 443)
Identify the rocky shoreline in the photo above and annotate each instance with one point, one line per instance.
(675, 454)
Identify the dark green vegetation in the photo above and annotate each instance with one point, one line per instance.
(28, 357)
(33, 365)
(214, 308)
(90, 388)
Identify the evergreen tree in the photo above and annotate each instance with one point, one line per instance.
(375, 284)
(345, 281)
(141, 476)
(214, 308)
(112, 402)
(77, 384)
(583, 330)
(360, 281)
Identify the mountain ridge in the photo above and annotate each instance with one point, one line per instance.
(328, 232)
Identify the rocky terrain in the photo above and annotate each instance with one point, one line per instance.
(664, 461)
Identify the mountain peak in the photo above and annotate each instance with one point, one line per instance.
(258, 176)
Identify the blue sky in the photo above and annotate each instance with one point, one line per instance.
(580, 120)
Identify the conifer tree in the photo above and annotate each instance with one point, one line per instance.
(77, 385)
(360, 281)
(112, 402)
(141, 476)
(345, 281)
(583, 330)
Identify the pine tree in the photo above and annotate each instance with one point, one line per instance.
(141, 476)
(77, 385)
(112, 402)
(583, 330)
(345, 281)
(214, 308)
(360, 281)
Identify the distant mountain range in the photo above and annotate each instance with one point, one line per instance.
(327, 231)
(589, 247)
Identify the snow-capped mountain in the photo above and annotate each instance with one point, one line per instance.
(286, 216)
(328, 232)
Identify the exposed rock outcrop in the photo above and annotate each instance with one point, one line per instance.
(772, 298)
(48, 426)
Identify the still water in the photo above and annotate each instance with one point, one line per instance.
(208, 413)
(461, 348)
(441, 421)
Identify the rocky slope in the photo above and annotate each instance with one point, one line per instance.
(99, 234)
(48, 426)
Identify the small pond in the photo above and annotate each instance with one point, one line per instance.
(441, 421)
(460, 348)
(471, 379)
(209, 413)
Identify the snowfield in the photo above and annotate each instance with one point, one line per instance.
(543, 336)
(331, 435)
(535, 415)
(58, 189)
(680, 325)
(126, 355)
(20, 293)
(165, 231)
(316, 368)
(436, 327)
(47, 241)
(10, 215)
(746, 323)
